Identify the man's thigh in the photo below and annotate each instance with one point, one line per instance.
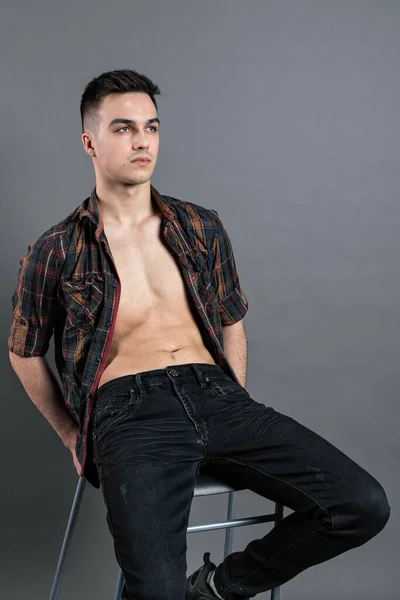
(147, 514)
(275, 456)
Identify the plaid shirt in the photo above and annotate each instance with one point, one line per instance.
(68, 284)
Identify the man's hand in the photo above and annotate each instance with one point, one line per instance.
(70, 442)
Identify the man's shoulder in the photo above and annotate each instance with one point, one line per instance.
(190, 210)
(56, 237)
(197, 221)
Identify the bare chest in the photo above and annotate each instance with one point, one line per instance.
(148, 271)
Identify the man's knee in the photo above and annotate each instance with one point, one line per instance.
(377, 508)
(368, 512)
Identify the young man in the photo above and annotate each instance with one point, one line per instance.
(142, 294)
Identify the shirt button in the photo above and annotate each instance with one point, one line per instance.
(114, 284)
(98, 359)
(85, 295)
(109, 323)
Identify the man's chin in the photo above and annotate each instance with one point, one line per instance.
(134, 180)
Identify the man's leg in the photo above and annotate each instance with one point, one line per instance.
(147, 453)
(337, 504)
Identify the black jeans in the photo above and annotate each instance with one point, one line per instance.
(154, 430)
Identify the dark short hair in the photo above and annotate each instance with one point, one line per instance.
(113, 82)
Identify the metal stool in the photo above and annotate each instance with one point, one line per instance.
(205, 486)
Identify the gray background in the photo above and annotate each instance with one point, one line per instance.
(284, 117)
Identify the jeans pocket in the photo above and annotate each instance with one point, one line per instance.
(113, 410)
(226, 387)
(216, 389)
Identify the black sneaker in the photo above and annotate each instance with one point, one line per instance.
(197, 587)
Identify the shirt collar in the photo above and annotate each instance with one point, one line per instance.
(90, 210)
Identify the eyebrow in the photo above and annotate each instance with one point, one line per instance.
(131, 122)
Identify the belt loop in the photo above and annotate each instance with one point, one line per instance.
(139, 384)
(198, 375)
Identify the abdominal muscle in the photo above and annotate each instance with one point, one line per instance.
(150, 347)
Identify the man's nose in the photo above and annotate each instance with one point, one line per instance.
(140, 140)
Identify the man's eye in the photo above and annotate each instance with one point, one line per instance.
(126, 127)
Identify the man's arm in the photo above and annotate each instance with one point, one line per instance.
(34, 308)
(44, 390)
(232, 301)
(235, 348)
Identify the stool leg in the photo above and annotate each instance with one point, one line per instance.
(276, 592)
(120, 585)
(229, 530)
(68, 534)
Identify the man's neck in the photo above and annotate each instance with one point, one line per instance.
(125, 206)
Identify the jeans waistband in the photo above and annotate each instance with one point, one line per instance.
(146, 379)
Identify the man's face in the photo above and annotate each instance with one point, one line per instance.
(117, 143)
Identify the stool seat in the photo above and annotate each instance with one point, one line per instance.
(207, 484)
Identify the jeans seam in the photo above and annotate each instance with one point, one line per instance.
(322, 506)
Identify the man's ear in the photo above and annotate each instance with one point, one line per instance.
(87, 141)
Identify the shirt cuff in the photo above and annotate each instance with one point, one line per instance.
(234, 307)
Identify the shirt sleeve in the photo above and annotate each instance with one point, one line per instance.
(232, 300)
(34, 300)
